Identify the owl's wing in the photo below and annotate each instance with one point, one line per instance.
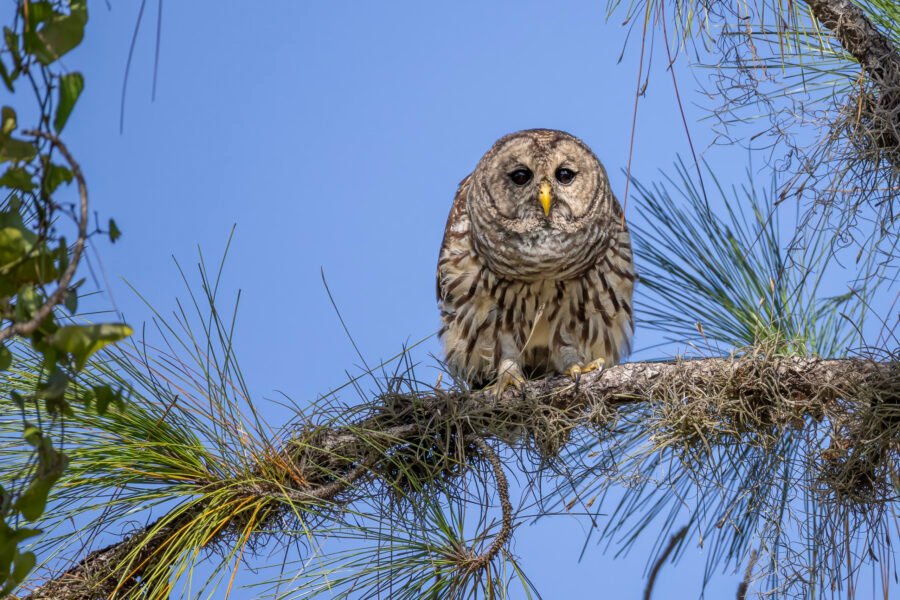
(457, 226)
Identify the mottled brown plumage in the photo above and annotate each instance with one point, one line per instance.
(535, 273)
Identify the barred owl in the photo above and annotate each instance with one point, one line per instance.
(535, 274)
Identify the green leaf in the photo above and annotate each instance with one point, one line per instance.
(8, 120)
(58, 35)
(23, 533)
(34, 499)
(12, 44)
(16, 150)
(7, 550)
(9, 539)
(62, 257)
(114, 232)
(22, 566)
(33, 435)
(54, 393)
(40, 268)
(27, 303)
(17, 178)
(7, 77)
(81, 341)
(55, 386)
(51, 464)
(16, 240)
(54, 176)
(103, 395)
(70, 86)
(37, 12)
(71, 301)
(5, 358)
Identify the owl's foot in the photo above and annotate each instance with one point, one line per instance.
(576, 370)
(509, 375)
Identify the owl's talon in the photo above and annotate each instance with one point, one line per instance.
(576, 371)
(510, 377)
(598, 364)
(508, 380)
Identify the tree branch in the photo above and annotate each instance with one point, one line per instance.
(26, 328)
(660, 561)
(777, 391)
(98, 574)
(856, 33)
(876, 124)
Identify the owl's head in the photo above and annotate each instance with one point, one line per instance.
(540, 205)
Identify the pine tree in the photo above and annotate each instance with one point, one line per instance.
(780, 388)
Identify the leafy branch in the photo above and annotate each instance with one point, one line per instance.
(27, 328)
(38, 266)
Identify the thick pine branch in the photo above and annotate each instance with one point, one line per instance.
(859, 37)
(875, 125)
(98, 574)
(336, 460)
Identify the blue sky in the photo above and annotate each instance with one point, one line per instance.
(333, 135)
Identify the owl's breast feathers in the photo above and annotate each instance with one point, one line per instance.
(545, 325)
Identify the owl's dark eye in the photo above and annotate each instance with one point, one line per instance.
(520, 176)
(565, 176)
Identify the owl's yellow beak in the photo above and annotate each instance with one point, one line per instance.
(545, 198)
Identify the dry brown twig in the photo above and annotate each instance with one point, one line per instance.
(748, 576)
(657, 566)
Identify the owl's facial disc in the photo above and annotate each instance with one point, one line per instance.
(546, 182)
(536, 201)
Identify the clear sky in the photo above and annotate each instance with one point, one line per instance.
(334, 135)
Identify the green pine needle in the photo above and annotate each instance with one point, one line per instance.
(726, 278)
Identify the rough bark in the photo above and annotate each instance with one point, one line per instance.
(858, 36)
(876, 127)
(97, 575)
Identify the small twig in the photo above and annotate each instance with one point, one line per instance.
(676, 539)
(748, 573)
(59, 295)
(328, 491)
